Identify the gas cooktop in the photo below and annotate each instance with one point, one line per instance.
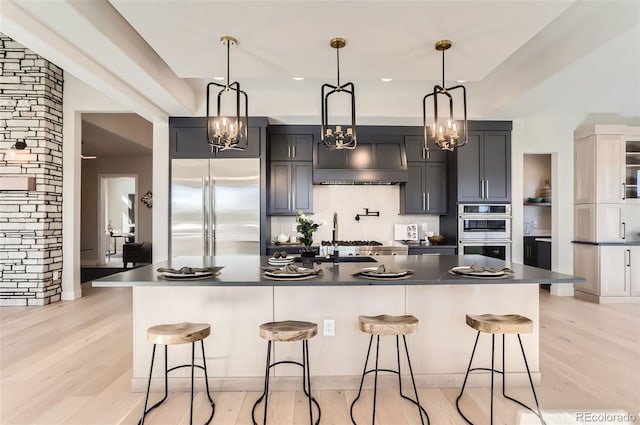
(352, 243)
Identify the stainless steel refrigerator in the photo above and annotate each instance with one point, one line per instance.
(215, 206)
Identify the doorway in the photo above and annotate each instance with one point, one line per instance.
(537, 217)
(117, 216)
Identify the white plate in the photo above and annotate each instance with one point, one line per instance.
(371, 272)
(185, 275)
(301, 273)
(469, 271)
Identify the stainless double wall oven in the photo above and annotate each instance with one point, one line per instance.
(485, 229)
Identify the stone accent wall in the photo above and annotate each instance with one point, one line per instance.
(30, 221)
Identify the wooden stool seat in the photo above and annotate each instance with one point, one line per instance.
(500, 324)
(388, 325)
(288, 330)
(178, 333)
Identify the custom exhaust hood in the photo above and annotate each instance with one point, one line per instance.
(369, 163)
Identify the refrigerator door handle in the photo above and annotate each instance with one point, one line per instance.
(212, 205)
(205, 218)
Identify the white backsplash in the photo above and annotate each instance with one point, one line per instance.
(349, 200)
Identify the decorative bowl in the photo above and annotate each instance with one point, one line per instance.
(436, 239)
(535, 200)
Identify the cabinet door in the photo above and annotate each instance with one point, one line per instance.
(302, 147)
(280, 188)
(413, 191)
(496, 166)
(543, 252)
(615, 272)
(586, 265)
(610, 166)
(609, 223)
(302, 187)
(469, 173)
(634, 265)
(530, 251)
(280, 147)
(584, 164)
(436, 187)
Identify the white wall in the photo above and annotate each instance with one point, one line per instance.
(350, 200)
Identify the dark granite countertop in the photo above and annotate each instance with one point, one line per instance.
(245, 271)
(625, 243)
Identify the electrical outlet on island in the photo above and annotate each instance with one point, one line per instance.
(329, 327)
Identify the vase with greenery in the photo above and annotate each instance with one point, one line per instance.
(306, 227)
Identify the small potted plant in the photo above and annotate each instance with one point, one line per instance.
(306, 227)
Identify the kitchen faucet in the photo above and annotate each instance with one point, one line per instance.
(335, 228)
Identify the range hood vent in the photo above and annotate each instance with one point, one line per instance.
(368, 163)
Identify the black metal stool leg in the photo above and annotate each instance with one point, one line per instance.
(364, 372)
(504, 386)
(413, 381)
(206, 383)
(493, 343)
(306, 370)
(166, 384)
(266, 389)
(464, 383)
(193, 367)
(375, 382)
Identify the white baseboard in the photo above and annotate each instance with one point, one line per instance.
(322, 383)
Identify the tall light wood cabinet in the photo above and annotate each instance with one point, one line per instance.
(607, 212)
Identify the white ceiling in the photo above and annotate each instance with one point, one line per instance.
(520, 57)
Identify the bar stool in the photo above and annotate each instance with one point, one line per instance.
(288, 331)
(173, 334)
(499, 324)
(388, 325)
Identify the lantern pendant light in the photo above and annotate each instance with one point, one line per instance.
(336, 138)
(446, 133)
(228, 133)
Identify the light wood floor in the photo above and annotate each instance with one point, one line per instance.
(70, 363)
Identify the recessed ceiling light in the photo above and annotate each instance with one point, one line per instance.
(218, 78)
(298, 78)
(462, 81)
(386, 80)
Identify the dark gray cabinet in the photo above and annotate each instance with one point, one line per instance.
(416, 151)
(188, 139)
(484, 167)
(530, 251)
(296, 147)
(290, 173)
(426, 190)
(432, 250)
(290, 187)
(537, 253)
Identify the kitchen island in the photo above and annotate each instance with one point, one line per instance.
(238, 300)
